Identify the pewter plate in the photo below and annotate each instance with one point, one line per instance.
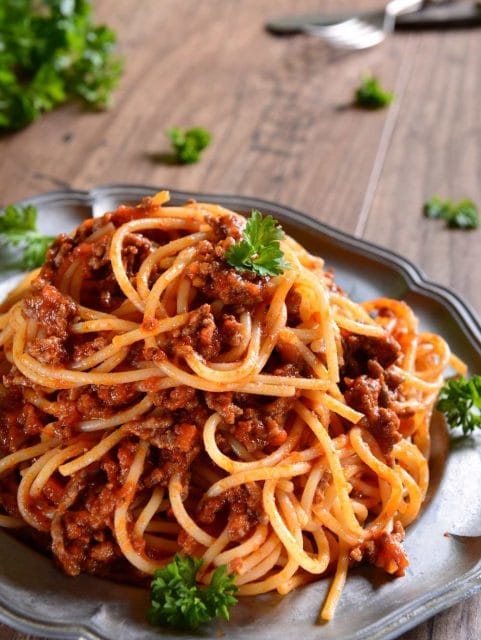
(36, 598)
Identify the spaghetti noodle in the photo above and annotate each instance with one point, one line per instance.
(156, 400)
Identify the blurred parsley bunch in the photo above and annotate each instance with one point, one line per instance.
(50, 51)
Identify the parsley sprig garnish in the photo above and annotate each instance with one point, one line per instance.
(259, 250)
(188, 144)
(177, 601)
(462, 215)
(18, 228)
(460, 401)
(370, 94)
(51, 51)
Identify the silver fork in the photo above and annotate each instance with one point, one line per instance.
(357, 33)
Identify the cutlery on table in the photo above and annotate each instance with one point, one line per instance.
(365, 29)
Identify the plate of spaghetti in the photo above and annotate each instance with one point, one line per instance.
(183, 376)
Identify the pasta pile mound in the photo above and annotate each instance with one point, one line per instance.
(157, 400)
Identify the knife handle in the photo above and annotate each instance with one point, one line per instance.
(452, 15)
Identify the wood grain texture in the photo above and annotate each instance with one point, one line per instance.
(283, 130)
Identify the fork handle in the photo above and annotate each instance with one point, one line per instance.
(433, 15)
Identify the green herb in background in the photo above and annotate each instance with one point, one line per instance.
(18, 228)
(370, 94)
(50, 52)
(177, 601)
(460, 401)
(463, 215)
(188, 143)
(259, 250)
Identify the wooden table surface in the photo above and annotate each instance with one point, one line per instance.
(284, 130)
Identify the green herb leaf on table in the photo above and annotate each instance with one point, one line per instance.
(18, 228)
(370, 94)
(178, 602)
(188, 144)
(259, 250)
(463, 215)
(50, 52)
(460, 401)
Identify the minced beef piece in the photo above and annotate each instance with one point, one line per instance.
(181, 397)
(227, 226)
(244, 509)
(87, 348)
(89, 405)
(224, 404)
(199, 333)
(100, 253)
(51, 309)
(359, 350)
(118, 395)
(263, 425)
(59, 252)
(50, 350)
(216, 280)
(135, 250)
(230, 331)
(373, 395)
(178, 445)
(385, 552)
(82, 525)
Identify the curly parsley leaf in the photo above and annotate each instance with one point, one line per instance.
(460, 401)
(177, 601)
(370, 94)
(259, 250)
(188, 144)
(463, 215)
(50, 52)
(18, 228)
(436, 207)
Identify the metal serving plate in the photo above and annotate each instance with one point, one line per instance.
(36, 598)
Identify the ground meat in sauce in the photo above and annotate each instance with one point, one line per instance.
(359, 350)
(385, 552)
(82, 531)
(373, 396)
(177, 444)
(227, 226)
(199, 333)
(370, 386)
(244, 508)
(82, 526)
(51, 309)
(255, 425)
(215, 280)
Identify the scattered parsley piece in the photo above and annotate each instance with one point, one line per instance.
(460, 401)
(188, 144)
(18, 228)
(370, 94)
(50, 52)
(463, 215)
(177, 601)
(436, 208)
(259, 250)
